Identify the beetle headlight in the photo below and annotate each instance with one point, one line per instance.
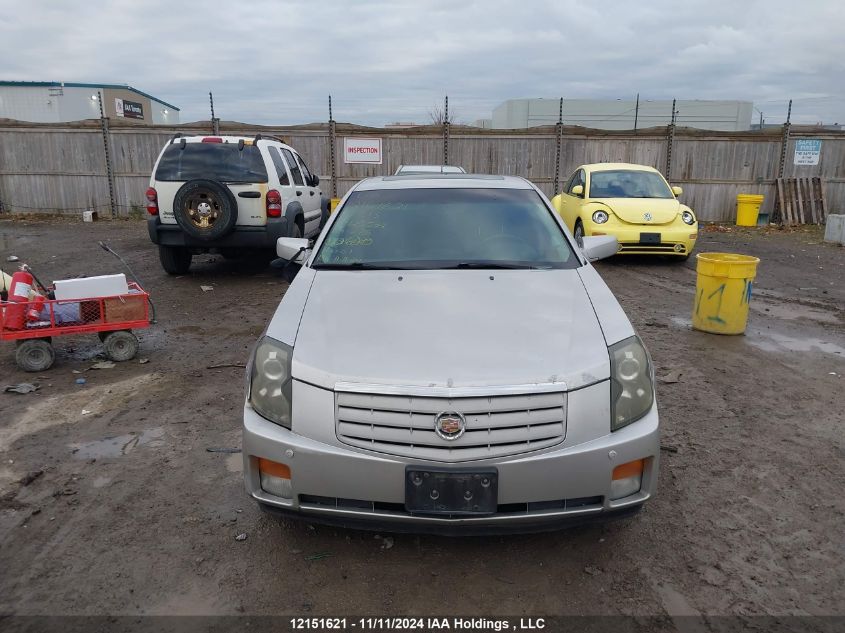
(270, 381)
(688, 217)
(631, 382)
(600, 217)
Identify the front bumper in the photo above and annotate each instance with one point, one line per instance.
(675, 239)
(568, 483)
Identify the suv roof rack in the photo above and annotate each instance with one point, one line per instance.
(175, 136)
(271, 137)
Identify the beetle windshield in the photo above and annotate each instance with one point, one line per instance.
(426, 228)
(628, 183)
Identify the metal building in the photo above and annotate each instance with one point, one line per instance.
(55, 102)
(623, 115)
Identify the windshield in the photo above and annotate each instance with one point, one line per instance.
(623, 183)
(213, 161)
(445, 228)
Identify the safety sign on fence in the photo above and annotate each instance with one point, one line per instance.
(807, 151)
(362, 150)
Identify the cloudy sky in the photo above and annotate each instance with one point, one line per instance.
(276, 61)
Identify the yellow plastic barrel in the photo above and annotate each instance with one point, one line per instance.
(723, 292)
(748, 208)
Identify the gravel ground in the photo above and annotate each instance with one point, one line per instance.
(123, 510)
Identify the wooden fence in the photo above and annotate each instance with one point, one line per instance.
(61, 168)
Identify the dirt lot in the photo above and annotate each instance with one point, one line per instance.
(131, 514)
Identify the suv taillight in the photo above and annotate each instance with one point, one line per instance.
(152, 201)
(212, 139)
(274, 204)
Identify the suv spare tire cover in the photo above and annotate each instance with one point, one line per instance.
(205, 209)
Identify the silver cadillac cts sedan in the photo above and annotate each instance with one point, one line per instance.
(447, 360)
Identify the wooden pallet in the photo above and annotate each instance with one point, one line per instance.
(800, 201)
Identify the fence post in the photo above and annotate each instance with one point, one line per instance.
(670, 142)
(558, 143)
(215, 123)
(637, 112)
(784, 141)
(104, 125)
(446, 132)
(332, 136)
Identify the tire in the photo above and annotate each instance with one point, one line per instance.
(35, 355)
(297, 231)
(120, 345)
(176, 260)
(578, 233)
(205, 209)
(324, 213)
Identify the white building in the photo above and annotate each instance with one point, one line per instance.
(55, 102)
(621, 115)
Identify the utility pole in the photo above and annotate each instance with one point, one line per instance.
(446, 132)
(104, 126)
(637, 112)
(332, 156)
(215, 124)
(670, 142)
(558, 144)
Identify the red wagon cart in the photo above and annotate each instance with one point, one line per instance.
(33, 325)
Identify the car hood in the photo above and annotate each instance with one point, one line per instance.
(456, 328)
(662, 210)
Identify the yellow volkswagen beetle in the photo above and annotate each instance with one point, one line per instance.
(633, 203)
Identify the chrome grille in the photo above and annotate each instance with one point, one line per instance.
(495, 425)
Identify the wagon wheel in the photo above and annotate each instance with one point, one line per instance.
(35, 355)
(120, 345)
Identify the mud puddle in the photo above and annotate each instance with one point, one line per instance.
(117, 446)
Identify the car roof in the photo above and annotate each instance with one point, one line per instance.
(443, 181)
(614, 166)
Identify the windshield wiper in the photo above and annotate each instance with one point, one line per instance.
(482, 265)
(357, 266)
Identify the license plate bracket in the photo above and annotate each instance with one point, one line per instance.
(450, 491)
(649, 238)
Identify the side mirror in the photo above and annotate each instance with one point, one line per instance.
(293, 249)
(315, 180)
(599, 246)
(677, 191)
(578, 190)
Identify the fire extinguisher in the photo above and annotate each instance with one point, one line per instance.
(15, 316)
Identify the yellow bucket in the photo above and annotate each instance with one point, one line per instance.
(723, 292)
(333, 202)
(748, 208)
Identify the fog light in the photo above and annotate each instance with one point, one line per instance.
(627, 479)
(275, 478)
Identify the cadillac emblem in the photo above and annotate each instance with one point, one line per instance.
(647, 216)
(450, 425)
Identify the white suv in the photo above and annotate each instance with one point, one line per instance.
(229, 193)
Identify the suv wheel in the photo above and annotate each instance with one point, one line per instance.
(176, 260)
(205, 209)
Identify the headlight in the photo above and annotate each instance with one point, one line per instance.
(688, 217)
(270, 381)
(631, 382)
(600, 217)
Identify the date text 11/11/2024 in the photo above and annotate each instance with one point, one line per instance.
(418, 624)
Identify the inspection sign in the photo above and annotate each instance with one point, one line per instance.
(807, 151)
(362, 150)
